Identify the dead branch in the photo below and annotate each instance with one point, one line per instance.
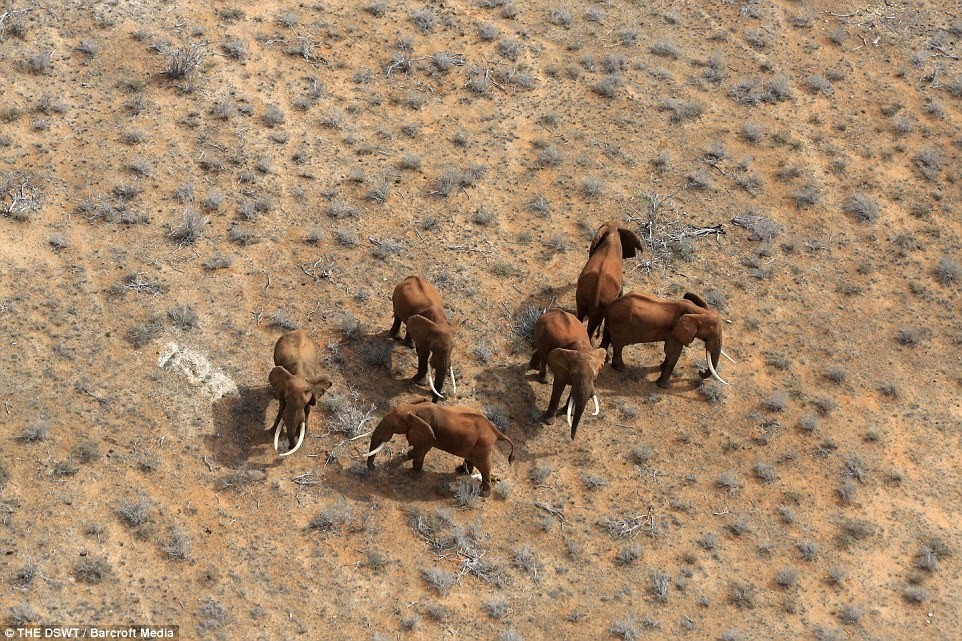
(315, 271)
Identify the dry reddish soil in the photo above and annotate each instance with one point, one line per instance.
(181, 181)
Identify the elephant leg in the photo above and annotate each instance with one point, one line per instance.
(594, 323)
(422, 366)
(418, 457)
(672, 352)
(556, 389)
(535, 362)
(484, 466)
(617, 361)
(465, 468)
(543, 372)
(396, 327)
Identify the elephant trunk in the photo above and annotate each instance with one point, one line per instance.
(580, 395)
(713, 350)
(714, 347)
(377, 444)
(441, 369)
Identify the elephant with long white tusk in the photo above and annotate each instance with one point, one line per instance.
(562, 345)
(417, 304)
(462, 431)
(638, 318)
(297, 382)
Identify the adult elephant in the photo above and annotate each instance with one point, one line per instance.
(417, 304)
(297, 381)
(562, 344)
(600, 280)
(639, 318)
(462, 431)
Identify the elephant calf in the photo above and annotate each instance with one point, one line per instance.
(637, 318)
(417, 304)
(600, 280)
(461, 431)
(563, 345)
(297, 382)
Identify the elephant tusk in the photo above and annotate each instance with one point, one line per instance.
(300, 439)
(454, 383)
(570, 405)
(711, 368)
(354, 438)
(431, 383)
(597, 409)
(277, 436)
(728, 357)
(376, 449)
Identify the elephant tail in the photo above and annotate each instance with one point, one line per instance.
(502, 437)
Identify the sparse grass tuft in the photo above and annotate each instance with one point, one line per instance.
(742, 594)
(190, 228)
(467, 492)
(948, 271)
(862, 207)
(36, 431)
(440, 580)
(92, 570)
(135, 512)
(182, 61)
(712, 391)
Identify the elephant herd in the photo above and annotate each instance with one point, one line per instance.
(562, 344)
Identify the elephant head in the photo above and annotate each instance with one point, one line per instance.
(630, 243)
(706, 325)
(436, 339)
(296, 395)
(401, 420)
(577, 368)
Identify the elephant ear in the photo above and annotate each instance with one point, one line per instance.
(698, 300)
(630, 243)
(599, 238)
(598, 357)
(319, 384)
(561, 361)
(685, 329)
(419, 428)
(422, 329)
(280, 379)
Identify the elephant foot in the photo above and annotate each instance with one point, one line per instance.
(547, 419)
(417, 378)
(704, 373)
(663, 384)
(619, 367)
(409, 454)
(461, 469)
(542, 378)
(485, 489)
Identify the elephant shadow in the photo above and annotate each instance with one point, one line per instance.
(394, 479)
(641, 379)
(239, 427)
(372, 362)
(548, 296)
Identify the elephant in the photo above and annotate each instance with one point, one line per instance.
(563, 345)
(600, 280)
(461, 431)
(638, 318)
(417, 304)
(297, 382)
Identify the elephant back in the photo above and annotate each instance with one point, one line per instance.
(558, 328)
(416, 295)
